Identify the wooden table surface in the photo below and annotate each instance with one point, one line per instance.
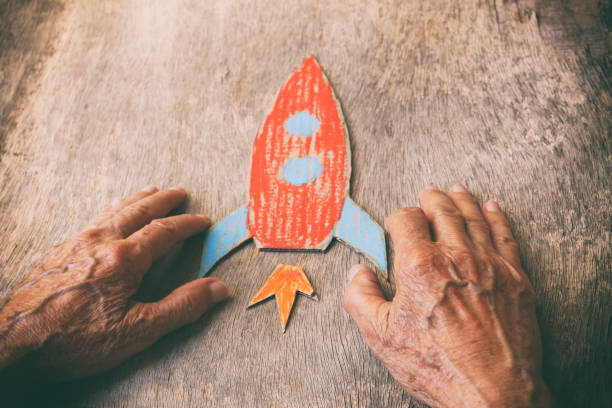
(100, 98)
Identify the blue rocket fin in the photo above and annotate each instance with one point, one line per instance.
(224, 236)
(357, 229)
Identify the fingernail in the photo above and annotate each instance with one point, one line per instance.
(149, 189)
(492, 206)
(178, 188)
(355, 269)
(116, 201)
(430, 187)
(218, 291)
(458, 188)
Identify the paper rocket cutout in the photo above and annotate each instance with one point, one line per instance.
(300, 176)
(284, 283)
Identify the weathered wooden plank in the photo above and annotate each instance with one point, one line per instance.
(574, 26)
(135, 93)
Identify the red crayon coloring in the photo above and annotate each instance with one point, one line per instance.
(282, 214)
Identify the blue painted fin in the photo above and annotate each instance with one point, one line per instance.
(359, 230)
(224, 236)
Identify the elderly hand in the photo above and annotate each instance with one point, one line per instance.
(461, 330)
(73, 314)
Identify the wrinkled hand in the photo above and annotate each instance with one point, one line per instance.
(461, 330)
(73, 314)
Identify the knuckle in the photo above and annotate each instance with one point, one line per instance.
(117, 224)
(166, 225)
(447, 212)
(140, 209)
(463, 257)
(118, 254)
(451, 303)
(144, 319)
(505, 241)
(91, 235)
(474, 219)
(402, 214)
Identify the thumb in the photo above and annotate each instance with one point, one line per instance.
(183, 305)
(364, 301)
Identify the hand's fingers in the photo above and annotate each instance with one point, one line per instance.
(446, 220)
(182, 306)
(477, 227)
(365, 303)
(145, 192)
(407, 226)
(159, 236)
(138, 214)
(413, 251)
(119, 203)
(500, 232)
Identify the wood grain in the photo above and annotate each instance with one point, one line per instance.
(102, 98)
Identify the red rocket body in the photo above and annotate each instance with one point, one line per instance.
(300, 170)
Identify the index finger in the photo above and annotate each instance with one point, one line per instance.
(407, 226)
(419, 267)
(446, 220)
(138, 214)
(158, 237)
(120, 203)
(503, 239)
